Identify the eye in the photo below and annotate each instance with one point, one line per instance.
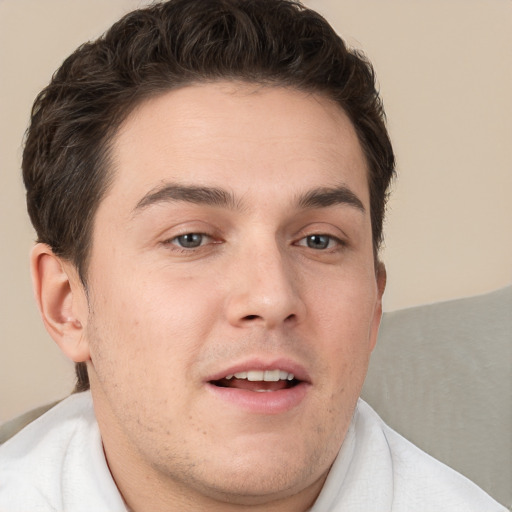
(319, 242)
(190, 240)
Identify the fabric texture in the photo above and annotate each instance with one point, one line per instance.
(12, 427)
(57, 464)
(441, 375)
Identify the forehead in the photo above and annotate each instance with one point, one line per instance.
(235, 133)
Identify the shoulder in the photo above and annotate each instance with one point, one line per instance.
(421, 482)
(52, 464)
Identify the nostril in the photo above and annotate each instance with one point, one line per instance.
(256, 317)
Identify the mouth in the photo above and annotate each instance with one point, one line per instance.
(261, 388)
(259, 381)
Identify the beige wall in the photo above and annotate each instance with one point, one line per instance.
(445, 72)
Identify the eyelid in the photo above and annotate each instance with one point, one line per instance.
(204, 241)
(172, 239)
(188, 227)
(339, 242)
(211, 234)
(320, 228)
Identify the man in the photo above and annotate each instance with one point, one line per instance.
(208, 183)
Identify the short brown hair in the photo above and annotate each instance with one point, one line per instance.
(172, 44)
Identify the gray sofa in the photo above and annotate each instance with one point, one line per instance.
(441, 376)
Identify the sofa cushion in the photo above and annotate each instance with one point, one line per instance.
(441, 376)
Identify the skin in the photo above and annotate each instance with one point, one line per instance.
(159, 319)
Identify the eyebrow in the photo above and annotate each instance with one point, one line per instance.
(210, 196)
(322, 197)
(330, 196)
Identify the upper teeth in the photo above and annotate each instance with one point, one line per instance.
(260, 375)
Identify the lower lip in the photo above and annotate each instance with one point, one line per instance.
(271, 402)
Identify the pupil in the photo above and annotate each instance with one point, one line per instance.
(318, 241)
(190, 240)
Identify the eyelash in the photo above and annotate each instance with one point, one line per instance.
(333, 243)
(174, 241)
(331, 240)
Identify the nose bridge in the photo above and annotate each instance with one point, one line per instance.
(264, 286)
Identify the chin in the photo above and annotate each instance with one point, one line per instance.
(256, 484)
(257, 471)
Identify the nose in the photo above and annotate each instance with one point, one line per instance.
(265, 289)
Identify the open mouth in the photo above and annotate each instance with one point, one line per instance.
(273, 389)
(260, 381)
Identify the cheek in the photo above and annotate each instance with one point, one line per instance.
(345, 318)
(151, 320)
(345, 306)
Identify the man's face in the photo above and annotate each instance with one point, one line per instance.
(234, 248)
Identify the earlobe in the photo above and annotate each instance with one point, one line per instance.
(61, 300)
(381, 277)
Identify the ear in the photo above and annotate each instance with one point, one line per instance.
(381, 277)
(62, 301)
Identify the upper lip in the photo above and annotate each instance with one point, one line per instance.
(285, 364)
